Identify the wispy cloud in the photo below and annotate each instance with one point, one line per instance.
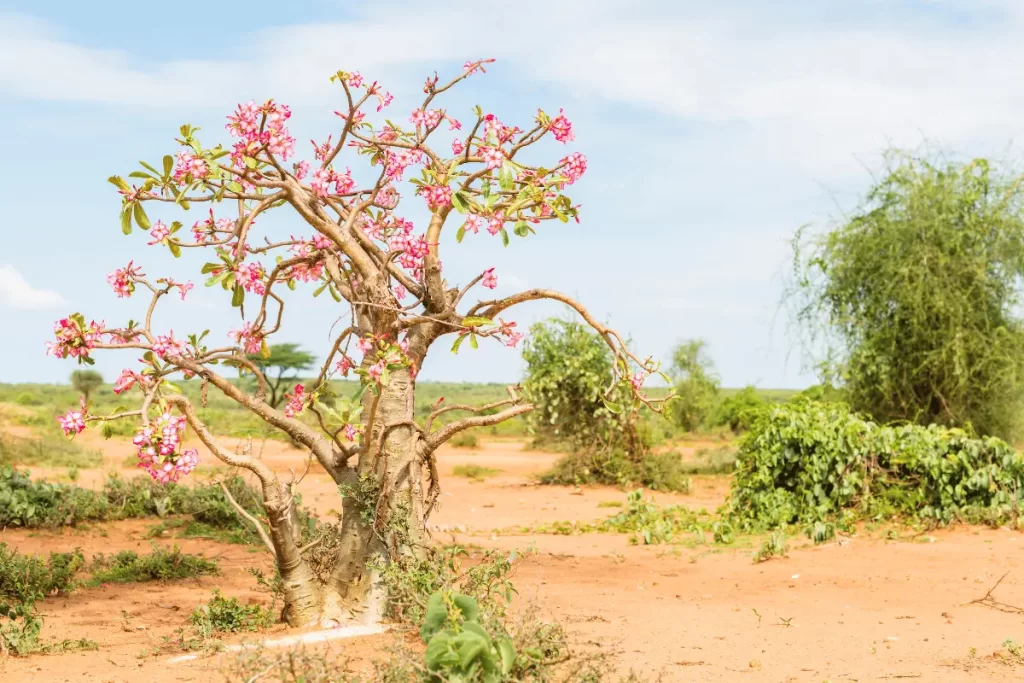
(17, 293)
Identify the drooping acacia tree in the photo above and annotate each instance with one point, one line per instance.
(388, 283)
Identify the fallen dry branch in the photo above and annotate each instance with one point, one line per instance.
(988, 600)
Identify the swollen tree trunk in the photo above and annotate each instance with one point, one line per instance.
(383, 512)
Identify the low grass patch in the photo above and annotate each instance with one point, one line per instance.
(160, 564)
(228, 615)
(464, 440)
(48, 451)
(474, 472)
(657, 471)
(720, 460)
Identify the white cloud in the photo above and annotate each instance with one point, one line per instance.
(17, 293)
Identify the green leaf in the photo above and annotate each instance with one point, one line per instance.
(139, 174)
(119, 182)
(459, 202)
(149, 168)
(140, 217)
(126, 221)
(237, 296)
(209, 268)
(460, 233)
(175, 249)
(507, 652)
(476, 321)
(235, 186)
(434, 616)
(507, 176)
(473, 342)
(458, 342)
(521, 229)
(504, 237)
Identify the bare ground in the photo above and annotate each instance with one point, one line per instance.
(870, 609)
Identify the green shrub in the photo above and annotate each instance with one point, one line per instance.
(27, 399)
(810, 462)
(658, 471)
(228, 615)
(464, 440)
(160, 564)
(694, 383)
(474, 472)
(738, 411)
(651, 524)
(24, 580)
(720, 460)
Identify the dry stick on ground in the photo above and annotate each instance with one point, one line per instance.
(989, 601)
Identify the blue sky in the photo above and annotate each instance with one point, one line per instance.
(713, 130)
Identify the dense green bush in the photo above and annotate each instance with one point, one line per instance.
(739, 410)
(160, 564)
(658, 471)
(808, 462)
(916, 296)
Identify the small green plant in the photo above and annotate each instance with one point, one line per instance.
(25, 580)
(773, 546)
(464, 440)
(657, 471)
(228, 615)
(474, 472)
(161, 564)
(458, 647)
(651, 524)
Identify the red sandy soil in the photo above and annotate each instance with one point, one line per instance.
(868, 609)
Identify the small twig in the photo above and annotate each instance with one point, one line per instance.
(988, 601)
(240, 510)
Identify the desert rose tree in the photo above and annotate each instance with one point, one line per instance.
(385, 276)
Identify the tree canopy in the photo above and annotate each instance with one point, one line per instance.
(282, 365)
(86, 381)
(915, 295)
(696, 385)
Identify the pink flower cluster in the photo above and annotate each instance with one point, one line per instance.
(351, 432)
(493, 156)
(74, 337)
(123, 280)
(159, 451)
(508, 332)
(250, 338)
(250, 276)
(396, 161)
(575, 165)
(457, 147)
(261, 125)
(296, 401)
(323, 177)
(188, 167)
(428, 119)
(503, 133)
(437, 196)
(561, 128)
(166, 346)
(73, 421)
(126, 380)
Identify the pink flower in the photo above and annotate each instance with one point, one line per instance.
(183, 288)
(73, 421)
(249, 337)
(166, 346)
(457, 147)
(376, 370)
(575, 165)
(453, 124)
(159, 232)
(437, 196)
(472, 223)
(513, 338)
(343, 366)
(296, 401)
(493, 156)
(637, 381)
(123, 280)
(74, 338)
(301, 169)
(125, 381)
(250, 276)
(495, 223)
(351, 433)
(400, 292)
(343, 182)
(427, 119)
(561, 127)
(189, 167)
(320, 182)
(355, 79)
(365, 344)
(490, 279)
(159, 453)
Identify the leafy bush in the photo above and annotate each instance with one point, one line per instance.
(160, 564)
(738, 411)
(228, 615)
(474, 472)
(695, 385)
(568, 370)
(916, 295)
(810, 462)
(658, 471)
(458, 647)
(464, 440)
(24, 580)
(651, 524)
